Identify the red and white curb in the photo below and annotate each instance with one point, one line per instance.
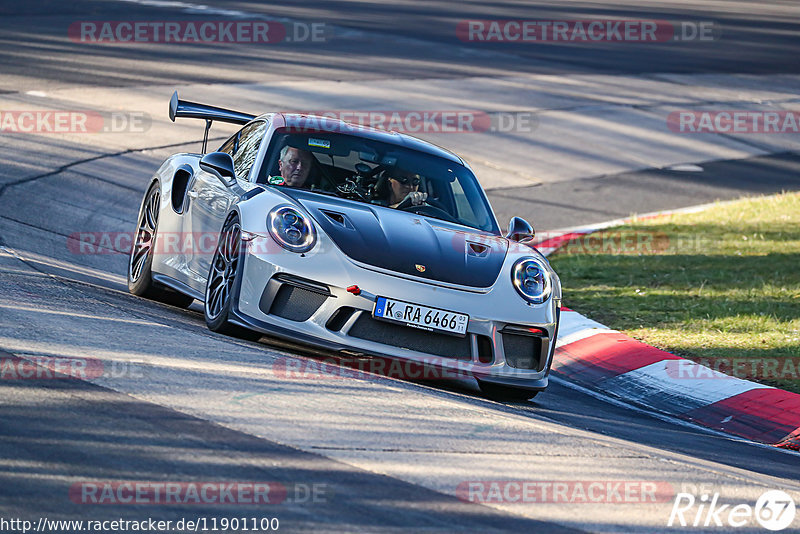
(598, 358)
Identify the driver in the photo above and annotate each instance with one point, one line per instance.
(294, 164)
(404, 184)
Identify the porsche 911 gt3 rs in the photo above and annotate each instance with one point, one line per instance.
(328, 255)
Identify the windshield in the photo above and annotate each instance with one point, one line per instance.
(378, 173)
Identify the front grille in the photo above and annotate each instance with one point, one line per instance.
(365, 327)
(522, 352)
(296, 303)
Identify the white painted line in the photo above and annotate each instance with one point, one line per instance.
(684, 167)
(671, 377)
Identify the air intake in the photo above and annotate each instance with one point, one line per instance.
(477, 249)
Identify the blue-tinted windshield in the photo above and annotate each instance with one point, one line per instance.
(378, 173)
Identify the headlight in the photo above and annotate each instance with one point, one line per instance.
(291, 229)
(531, 279)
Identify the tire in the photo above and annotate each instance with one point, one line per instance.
(140, 279)
(506, 393)
(221, 282)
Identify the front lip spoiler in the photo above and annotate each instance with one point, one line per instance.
(245, 321)
(458, 372)
(515, 382)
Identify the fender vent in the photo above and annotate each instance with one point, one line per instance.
(179, 184)
(338, 218)
(477, 249)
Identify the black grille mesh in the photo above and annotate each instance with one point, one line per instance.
(296, 303)
(396, 335)
(522, 352)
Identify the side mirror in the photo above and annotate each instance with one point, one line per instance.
(220, 164)
(519, 230)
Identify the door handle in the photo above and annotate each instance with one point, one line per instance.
(192, 194)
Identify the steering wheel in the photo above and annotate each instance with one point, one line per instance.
(436, 204)
(428, 200)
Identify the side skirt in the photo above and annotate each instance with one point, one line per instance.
(178, 286)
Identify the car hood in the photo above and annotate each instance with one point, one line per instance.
(407, 243)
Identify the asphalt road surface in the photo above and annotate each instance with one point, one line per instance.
(358, 454)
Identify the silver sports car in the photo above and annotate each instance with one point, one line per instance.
(353, 239)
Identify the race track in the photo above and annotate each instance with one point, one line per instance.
(364, 453)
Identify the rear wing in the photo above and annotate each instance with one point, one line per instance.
(179, 109)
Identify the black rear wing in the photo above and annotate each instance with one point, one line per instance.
(179, 109)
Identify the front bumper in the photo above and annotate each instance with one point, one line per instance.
(303, 298)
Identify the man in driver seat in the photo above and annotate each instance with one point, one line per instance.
(403, 184)
(294, 165)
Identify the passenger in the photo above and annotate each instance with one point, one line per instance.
(404, 184)
(294, 165)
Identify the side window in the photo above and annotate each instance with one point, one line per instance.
(230, 144)
(245, 153)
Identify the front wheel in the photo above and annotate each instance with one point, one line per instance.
(140, 279)
(222, 280)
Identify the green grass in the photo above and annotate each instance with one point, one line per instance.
(721, 283)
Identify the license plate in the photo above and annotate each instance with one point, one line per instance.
(423, 317)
